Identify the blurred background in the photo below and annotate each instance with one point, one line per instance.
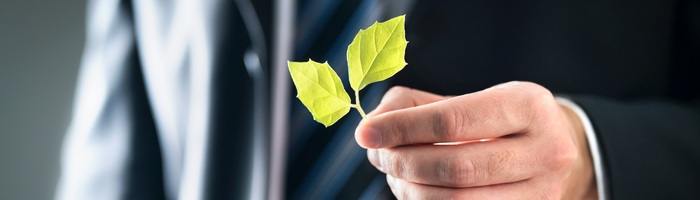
(41, 43)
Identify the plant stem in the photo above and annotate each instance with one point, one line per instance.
(357, 105)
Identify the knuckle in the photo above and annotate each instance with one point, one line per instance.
(448, 124)
(552, 192)
(498, 164)
(539, 95)
(563, 155)
(400, 131)
(397, 90)
(463, 171)
(395, 165)
(393, 94)
(540, 102)
(454, 196)
(458, 171)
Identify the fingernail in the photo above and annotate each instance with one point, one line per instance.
(372, 138)
(374, 158)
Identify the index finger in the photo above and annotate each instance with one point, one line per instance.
(399, 97)
(481, 115)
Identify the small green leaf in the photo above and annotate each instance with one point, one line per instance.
(377, 53)
(320, 90)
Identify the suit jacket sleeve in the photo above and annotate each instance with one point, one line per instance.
(111, 116)
(650, 148)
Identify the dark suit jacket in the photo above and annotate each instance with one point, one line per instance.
(633, 66)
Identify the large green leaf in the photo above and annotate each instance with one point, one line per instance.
(320, 90)
(377, 53)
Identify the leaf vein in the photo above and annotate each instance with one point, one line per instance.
(375, 56)
(324, 89)
(334, 111)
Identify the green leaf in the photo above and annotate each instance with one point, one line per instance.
(374, 55)
(377, 53)
(320, 90)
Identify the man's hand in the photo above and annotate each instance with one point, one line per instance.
(540, 150)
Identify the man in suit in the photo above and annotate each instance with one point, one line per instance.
(174, 97)
(644, 55)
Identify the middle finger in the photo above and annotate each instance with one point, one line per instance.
(502, 160)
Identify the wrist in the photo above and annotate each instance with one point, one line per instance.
(580, 184)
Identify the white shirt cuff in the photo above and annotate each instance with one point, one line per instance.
(592, 145)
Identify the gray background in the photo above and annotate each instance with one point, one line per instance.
(40, 47)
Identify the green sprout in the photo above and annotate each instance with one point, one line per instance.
(375, 54)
